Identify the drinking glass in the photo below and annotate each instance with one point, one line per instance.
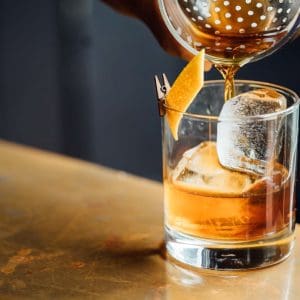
(219, 218)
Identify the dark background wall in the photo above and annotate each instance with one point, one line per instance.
(77, 78)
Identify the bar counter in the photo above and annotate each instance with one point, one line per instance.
(74, 230)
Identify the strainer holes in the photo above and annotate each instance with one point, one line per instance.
(197, 44)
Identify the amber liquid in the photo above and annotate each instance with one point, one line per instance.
(242, 217)
(235, 48)
(228, 73)
(263, 211)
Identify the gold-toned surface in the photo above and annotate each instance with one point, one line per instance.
(70, 229)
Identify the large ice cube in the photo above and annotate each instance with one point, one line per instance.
(246, 145)
(200, 170)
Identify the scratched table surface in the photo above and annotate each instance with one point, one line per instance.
(74, 230)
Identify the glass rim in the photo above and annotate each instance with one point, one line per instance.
(263, 117)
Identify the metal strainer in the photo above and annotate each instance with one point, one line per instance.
(231, 29)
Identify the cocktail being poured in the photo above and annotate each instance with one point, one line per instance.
(234, 32)
(228, 168)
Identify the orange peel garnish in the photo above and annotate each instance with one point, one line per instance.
(184, 90)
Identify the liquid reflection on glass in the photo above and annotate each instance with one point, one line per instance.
(275, 283)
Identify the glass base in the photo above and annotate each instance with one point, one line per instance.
(224, 255)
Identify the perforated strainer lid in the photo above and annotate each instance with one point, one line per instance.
(208, 23)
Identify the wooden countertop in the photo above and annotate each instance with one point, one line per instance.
(71, 229)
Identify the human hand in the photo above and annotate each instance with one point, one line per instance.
(148, 12)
